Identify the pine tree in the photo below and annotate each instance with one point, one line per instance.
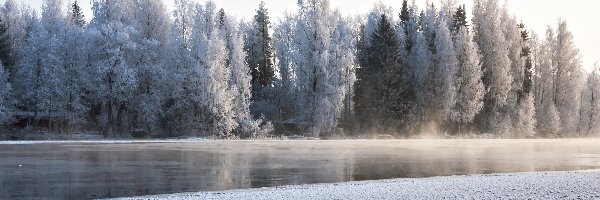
(259, 50)
(381, 91)
(528, 68)
(404, 14)
(459, 20)
(76, 15)
(261, 58)
(5, 46)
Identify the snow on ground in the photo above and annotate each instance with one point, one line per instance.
(540, 185)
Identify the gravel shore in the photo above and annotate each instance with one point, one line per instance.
(538, 185)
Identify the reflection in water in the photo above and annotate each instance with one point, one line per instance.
(83, 171)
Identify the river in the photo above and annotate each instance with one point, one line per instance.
(88, 170)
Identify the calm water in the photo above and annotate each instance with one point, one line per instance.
(87, 170)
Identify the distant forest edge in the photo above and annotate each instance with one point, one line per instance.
(136, 69)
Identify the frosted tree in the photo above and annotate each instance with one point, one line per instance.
(568, 81)
(495, 64)
(418, 65)
(110, 39)
(6, 99)
(515, 44)
(180, 108)
(152, 24)
(547, 116)
(318, 100)
(469, 86)
(428, 24)
(440, 89)
(41, 75)
(220, 98)
(27, 79)
(524, 111)
(284, 50)
(77, 76)
(214, 94)
(448, 10)
(241, 81)
(524, 122)
(590, 104)
(18, 22)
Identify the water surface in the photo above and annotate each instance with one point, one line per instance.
(100, 170)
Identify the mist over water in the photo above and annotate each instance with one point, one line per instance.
(83, 171)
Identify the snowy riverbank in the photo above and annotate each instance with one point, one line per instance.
(540, 185)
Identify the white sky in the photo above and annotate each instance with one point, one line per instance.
(581, 15)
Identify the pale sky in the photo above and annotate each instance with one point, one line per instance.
(581, 15)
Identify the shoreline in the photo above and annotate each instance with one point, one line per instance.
(202, 139)
(526, 185)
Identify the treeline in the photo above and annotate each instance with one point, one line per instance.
(135, 67)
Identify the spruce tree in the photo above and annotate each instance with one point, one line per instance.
(404, 14)
(261, 59)
(222, 18)
(259, 51)
(76, 15)
(363, 92)
(380, 88)
(459, 19)
(5, 45)
(528, 70)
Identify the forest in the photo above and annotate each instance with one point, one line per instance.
(136, 67)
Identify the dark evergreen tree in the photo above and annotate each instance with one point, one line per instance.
(459, 19)
(222, 17)
(5, 46)
(76, 16)
(363, 91)
(260, 51)
(528, 70)
(265, 61)
(260, 58)
(404, 14)
(381, 93)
